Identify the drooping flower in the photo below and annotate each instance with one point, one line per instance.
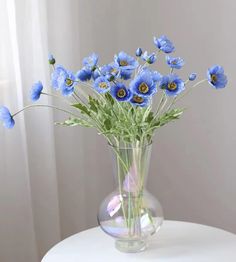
(192, 77)
(36, 91)
(51, 59)
(101, 84)
(149, 58)
(172, 84)
(6, 117)
(164, 44)
(91, 61)
(143, 85)
(139, 100)
(58, 72)
(67, 83)
(84, 74)
(120, 92)
(125, 64)
(110, 71)
(139, 52)
(216, 77)
(175, 62)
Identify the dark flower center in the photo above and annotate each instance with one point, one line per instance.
(121, 93)
(172, 86)
(213, 78)
(138, 99)
(123, 63)
(174, 62)
(143, 88)
(69, 82)
(103, 85)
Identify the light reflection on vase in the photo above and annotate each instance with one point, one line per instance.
(131, 214)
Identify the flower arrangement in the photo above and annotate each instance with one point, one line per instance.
(118, 98)
(126, 101)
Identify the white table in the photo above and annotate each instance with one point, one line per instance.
(176, 241)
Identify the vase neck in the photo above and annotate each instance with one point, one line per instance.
(131, 167)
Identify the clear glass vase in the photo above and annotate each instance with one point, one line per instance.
(130, 214)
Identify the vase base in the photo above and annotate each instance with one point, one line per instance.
(130, 246)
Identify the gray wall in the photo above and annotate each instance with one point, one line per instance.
(193, 161)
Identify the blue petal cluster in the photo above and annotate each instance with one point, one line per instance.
(36, 91)
(149, 58)
(57, 74)
(91, 61)
(175, 62)
(216, 77)
(67, 83)
(141, 101)
(143, 84)
(120, 92)
(6, 117)
(126, 64)
(172, 84)
(84, 74)
(164, 44)
(101, 85)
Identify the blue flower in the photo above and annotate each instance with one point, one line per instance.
(172, 84)
(143, 85)
(125, 64)
(67, 83)
(139, 52)
(58, 72)
(51, 59)
(120, 92)
(36, 91)
(164, 44)
(175, 62)
(149, 58)
(6, 117)
(216, 77)
(91, 61)
(84, 74)
(154, 75)
(110, 71)
(101, 84)
(192, 77)
(139, 100)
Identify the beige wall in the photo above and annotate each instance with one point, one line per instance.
(193, 161)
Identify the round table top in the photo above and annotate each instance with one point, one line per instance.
(176, 241)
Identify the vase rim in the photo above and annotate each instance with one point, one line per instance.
(128, 146)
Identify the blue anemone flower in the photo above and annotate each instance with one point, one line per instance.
(149, 58)
(172, 84)
(110, 71)
(67, 83)
(139, 52)
(175, 62)
(120, 92)
(125, 64)
(137, 100)
(6, 117)
(84, 74)
(143, 84)
(164, 44)
(216, 76)
(192, 77)
(36, 91)
(58, 72)
(91, 61)
(101, 84)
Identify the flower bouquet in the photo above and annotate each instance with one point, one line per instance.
(126, 101)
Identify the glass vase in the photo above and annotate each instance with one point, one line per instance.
(130, 214)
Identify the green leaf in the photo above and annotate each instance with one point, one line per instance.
(83, 109)
(75, 122)
(93, 104)
(107, 124)
(109, 98)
